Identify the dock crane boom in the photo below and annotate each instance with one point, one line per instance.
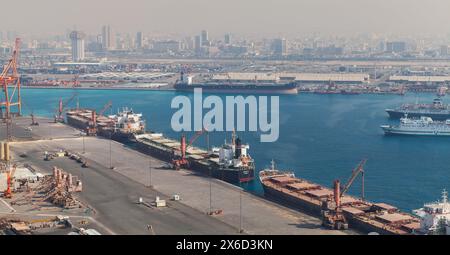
(332, 215)
(105, 107)
(62, 106)
(358, 170)
(182, 161)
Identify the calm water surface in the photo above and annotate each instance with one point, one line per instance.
(322, 137)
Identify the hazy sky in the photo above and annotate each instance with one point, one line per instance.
(265, 17)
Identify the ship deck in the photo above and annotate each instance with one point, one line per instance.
(379, 216)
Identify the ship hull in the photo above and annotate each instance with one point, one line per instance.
(249, 89)
(396, 114)
(395, 131)
(308, 207)
(77, 122)
(230, 175)
(313, 207)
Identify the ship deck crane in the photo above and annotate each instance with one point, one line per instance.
(332, 216)
(181, 160)
(62, 106)
(92, 128)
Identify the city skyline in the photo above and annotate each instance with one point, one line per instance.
(258, 18)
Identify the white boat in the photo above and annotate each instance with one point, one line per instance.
(422, 126)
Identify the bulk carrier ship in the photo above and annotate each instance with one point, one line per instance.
(120, 127)
(231, 162)
(285, 188)
(126, 124)
(283, 85)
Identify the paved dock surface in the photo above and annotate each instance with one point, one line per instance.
(113, 193)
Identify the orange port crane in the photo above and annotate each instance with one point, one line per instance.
(333, 217)
(9, 182)
(181, 161)
(10, 78)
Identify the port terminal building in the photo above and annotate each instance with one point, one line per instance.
(419, 79)
(320, 78)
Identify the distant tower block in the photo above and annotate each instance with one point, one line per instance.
(77, 39)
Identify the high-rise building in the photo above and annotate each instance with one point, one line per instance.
(198, 44)
(108, 38)
(227, 39)
(77, 39)
(279, 47)
(396, 46)
(205, 39)
(139, 40)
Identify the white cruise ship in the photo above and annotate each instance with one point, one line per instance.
(422, 126)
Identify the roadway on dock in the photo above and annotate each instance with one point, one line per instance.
(113, 193)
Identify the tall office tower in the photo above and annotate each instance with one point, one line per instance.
(108, 38)
(279, 47)
(198, 44)
(205, 39)
(77, 39)
(139, 40)
(227, 39)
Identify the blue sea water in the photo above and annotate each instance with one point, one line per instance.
(322, 138)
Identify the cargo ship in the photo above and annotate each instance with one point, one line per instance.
(125, 124)
(231, 162)
(435, 217)
(424, 126)
(436, 110)
(120, 127)
(245, 86)
(284, 187)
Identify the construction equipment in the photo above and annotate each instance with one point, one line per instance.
(180, 160)
(59, 115)
(332, 216)
(9, 182)
(33, 120)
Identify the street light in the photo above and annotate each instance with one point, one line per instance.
(110, 152)
(84, 147)
(150, 173)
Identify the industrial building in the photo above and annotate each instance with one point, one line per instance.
(132, 76)
(417, 78)
(299, 77)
